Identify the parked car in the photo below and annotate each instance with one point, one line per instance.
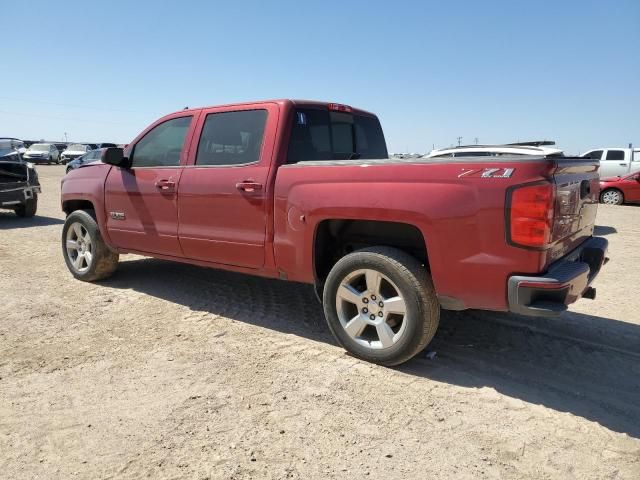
(74, 151)
(61, 147)
(305, 191)
(42, 153)
(89, 157)
(107, 145)
(19, 185)
(526, 148)
(615, 161)
(619, 190)
(92, 146)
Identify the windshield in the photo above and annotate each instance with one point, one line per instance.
(39, 147)
(78, 147)
(319, 134)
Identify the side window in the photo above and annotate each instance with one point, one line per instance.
(596, 154)
(231, 138)
(615, 154)
(162, 145)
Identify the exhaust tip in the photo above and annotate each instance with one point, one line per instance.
(590, 293)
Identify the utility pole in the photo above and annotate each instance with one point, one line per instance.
(65, 137)
(459, 140)
(476, 139)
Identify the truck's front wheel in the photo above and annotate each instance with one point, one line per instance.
(380, 305)
(87, 256)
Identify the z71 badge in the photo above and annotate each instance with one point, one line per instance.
(117, 215)
(487, 172)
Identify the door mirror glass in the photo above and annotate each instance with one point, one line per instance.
(115, 156)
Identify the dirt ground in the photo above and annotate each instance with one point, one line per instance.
(175, 371)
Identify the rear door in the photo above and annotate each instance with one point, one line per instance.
(615, 162)
(224, 191)
(141, 202)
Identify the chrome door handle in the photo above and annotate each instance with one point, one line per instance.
(165, 185)
(249, 186)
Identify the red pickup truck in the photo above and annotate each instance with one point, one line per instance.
(305, 191)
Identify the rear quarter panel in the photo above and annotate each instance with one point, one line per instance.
(461, 217)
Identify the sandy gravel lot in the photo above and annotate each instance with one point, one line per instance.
(174, 371)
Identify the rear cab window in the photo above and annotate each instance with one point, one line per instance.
(232, 138)
(615, 154)
(321, 134)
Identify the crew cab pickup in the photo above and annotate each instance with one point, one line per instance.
(304, 191)
(616, 161)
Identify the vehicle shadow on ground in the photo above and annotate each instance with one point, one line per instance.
(585, 365)
(604, 230)
(9, 220)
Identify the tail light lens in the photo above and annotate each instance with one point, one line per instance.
(531, 215)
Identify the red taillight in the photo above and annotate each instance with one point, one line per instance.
(531, 215)
(336, 107)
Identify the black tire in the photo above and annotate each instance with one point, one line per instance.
(612, 196)
(104, 261)
(414, 285)
(29, 208)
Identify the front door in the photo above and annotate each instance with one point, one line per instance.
(141, 201)
(223, 195)
(632, 190)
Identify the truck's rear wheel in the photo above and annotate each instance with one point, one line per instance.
(380, 305)
(29, 208)
(87, 256)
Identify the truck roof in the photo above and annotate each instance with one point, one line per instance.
(281, 101)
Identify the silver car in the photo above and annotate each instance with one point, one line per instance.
(42, 153)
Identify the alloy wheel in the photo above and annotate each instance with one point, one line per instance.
(79, 247)
(371, 309)
(611, 198)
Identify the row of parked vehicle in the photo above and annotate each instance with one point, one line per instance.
(53, 152)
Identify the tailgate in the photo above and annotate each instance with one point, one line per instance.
(577, 191)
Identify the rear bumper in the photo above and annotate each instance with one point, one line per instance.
(566, 281)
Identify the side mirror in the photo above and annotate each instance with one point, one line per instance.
(115, 156)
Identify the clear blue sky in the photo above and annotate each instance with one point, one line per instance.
(499, 71)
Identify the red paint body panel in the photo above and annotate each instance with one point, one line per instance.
(271, 231)
(218, 222)
(629, 185)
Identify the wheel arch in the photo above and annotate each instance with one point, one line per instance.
(69, 206)
(335, 238)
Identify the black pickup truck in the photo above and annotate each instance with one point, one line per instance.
(19, 185)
